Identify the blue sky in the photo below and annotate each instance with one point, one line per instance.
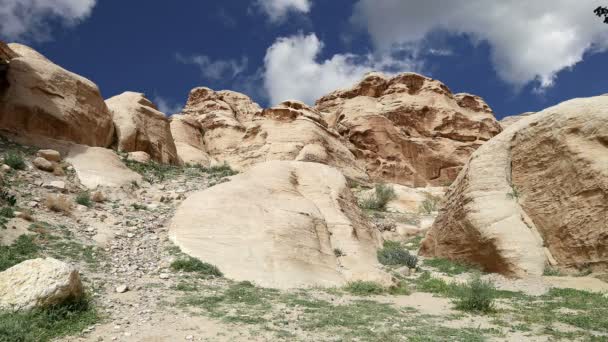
(518, 56)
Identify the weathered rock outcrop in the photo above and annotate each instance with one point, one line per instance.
(237, 131)
(38, 283)
(278, 225)
(46, 100)
(410, 129)
(509, 120)
(141, 127)
(97, 166)
(188, 137)
(538, 189)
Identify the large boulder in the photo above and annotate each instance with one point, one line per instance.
(237, 131)
(279, 225)
(100, 167)
(536, 192)
(38, 283)
(188, 137)
(141, 127)
(410, 129)
(46, 100)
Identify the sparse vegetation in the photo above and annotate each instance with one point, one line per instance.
(551, 271)
(84, 198)
(191, 265)
(6, 213)
(393, 253)
(43, 325)
(476, 295)
(154, 172)
(430, 204)
(338, 252)
(364, 288)
(58, 203)
(15, 160)
(138, 206)
(380, 198)
(449, 267)
(514, 194)
(8, 198)
(22, 249)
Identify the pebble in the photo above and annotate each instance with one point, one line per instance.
(122, 288)
(164, 276)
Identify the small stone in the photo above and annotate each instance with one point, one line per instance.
(32, 204)
(43, 164)
(5, 168)
(59, 185)
(122, 288)
(404, 271)
(50, 155)
(189, 338)
(164, 276)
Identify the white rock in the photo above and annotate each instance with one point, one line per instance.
(38, 283)
(59, 185)
(122, 288)
(50, 155)
(43, 164)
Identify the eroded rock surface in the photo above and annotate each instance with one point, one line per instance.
(278, 225)
(538, 190)
(410, 129)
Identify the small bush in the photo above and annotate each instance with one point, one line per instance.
(449, 266)
(364, 288)
(84, 198)
(399, 289)
(430, 204)
(380, 198)
(338, 252)
(393, 253)
(194, 265)
(7, 212)
(14, 160)
(551, 271)
(477, 295)
(58, 203)
(426, 283)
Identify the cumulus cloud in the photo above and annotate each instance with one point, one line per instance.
(29, 19)
(215, 69)
(529, 40)
(166, 106)
(277, 10)
(293, 71)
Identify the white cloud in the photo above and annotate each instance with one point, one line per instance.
(166, 106)
(215, 70)
(530, 40)
(277, 10)
(292, 70)
(28, 19)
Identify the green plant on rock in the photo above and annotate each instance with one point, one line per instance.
(84, 198)
(430, 204)
(514, 194)
(393, 254)
(380, 198)
(15, 160)
(338, 252)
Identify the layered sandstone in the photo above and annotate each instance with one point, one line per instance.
(536, 192)
(46, 100)
(409, 129)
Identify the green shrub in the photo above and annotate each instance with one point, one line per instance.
(7, 212)
(449, 266)
(84, 198)
(429, 205)
(551, 271)
(15, 160)
(426, 283)
(380, 198)
(47, 324)
(22, 249)
(338, 252)
(393, 253)
(477, 295)
(194, 265)
(8, 198)
(364, 288)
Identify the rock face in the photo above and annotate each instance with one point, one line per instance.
(38, 283)
(46, 100)
(237, 131)
(509, 120)
(188, 139)
(96, 166)
(141, 127)
(537, 191)
(409, 129)
(278, 225)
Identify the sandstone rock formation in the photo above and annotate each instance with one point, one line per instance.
(537, 191)
(46, 100)
(141, 127)
(509, 120)
(96, 166)
(278, 225)
(237, 131)
(38, 283)
(410, 129)
(188, 137)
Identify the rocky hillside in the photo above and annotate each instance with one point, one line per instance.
(230, 222)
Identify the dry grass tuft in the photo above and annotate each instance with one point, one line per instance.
(58, 203)
(98, 197)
